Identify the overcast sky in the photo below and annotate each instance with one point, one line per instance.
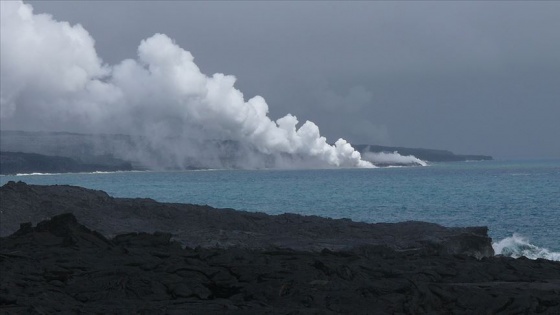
(471, 77)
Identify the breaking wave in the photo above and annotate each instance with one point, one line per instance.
(517, 246)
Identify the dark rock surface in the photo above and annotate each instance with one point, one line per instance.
(194, 225)
(60, 266)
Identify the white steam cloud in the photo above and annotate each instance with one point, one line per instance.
(389, 158)
(53, 79)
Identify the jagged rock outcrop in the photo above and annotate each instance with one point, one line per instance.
(60, 266)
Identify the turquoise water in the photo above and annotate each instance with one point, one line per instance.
(509, 197)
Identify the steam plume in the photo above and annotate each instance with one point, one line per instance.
(392, 158)
(53, 79)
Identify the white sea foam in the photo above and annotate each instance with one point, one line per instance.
(92, 173)
(37, 174)
(517, 246)
(113, 172)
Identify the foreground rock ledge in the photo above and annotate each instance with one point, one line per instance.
(61, 266)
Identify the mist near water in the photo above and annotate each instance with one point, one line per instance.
(174, 115)
(392, 158)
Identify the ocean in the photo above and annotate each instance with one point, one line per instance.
(518, 200)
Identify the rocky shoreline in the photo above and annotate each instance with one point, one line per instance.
(196, 225)
(205, 260)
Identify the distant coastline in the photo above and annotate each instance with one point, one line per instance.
(429, 155)
(12, 163)
(63, 152)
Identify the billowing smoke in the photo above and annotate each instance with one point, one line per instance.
(176, 116)
(391, 158)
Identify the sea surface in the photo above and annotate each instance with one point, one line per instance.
(518, 200)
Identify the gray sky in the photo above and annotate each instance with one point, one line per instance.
(471, 77)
